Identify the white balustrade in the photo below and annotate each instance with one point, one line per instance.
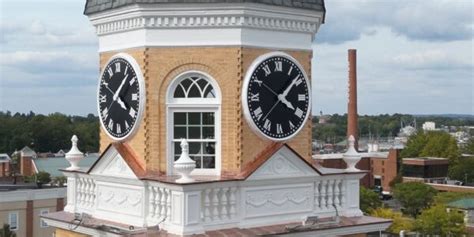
(86, 193)
(218, 204)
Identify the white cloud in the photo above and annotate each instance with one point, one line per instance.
(431, 59)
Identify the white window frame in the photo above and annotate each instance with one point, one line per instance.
(10, 214)
(43, 223)
(193, 105)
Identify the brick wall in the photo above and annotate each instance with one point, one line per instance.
(227, 65)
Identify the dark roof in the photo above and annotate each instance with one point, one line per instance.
(95, 6)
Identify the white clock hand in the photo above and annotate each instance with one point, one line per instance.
(286, 102)
(287, 90)
(271, 110)
(121, 103)
(120, 88)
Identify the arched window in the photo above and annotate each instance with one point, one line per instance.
(194, 113)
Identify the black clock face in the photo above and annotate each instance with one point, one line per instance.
(278, 97)
(119, 98)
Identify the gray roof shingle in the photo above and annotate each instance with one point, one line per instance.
(95, 6)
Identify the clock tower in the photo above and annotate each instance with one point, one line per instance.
(205, 112)
(232, 77)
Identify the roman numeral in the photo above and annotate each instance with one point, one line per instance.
(255, 97)
(299, 112)
(105, 112)
(258, 81)
(133, 80)
(103, 98)
(301, 97)
(111, 124)
(126, 125)
(299, 81)
(132, 113)
(267, 125)
(278, 66)
(104, 83)
(267, 70)
(110, 71)
(291, 125)
(258, 113)
(117, 67)
(126, 70)
(279, 128)
(134, 96)
(289, 72)
(119, 129)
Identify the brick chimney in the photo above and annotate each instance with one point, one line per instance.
(352, 123)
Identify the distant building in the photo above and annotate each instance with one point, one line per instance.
(429, 126)
(21, 207)
(426, 169)
(466, 207)
(5, 162)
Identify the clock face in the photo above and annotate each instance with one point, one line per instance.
(120, 97)
(276, 96)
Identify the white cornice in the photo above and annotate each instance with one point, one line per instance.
(32, 194)
(206, 25)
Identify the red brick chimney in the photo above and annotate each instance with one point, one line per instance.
(352, 127)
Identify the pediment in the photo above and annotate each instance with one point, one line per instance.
(112, 164)
(284, 163)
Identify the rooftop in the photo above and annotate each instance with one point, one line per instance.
(55, 164)
(465, 203)
(96, 6)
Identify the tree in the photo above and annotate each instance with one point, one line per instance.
(6, 232)
(399, 221)
(369, 200)
(414, 196)
(469, 147)
(42, 178)
(463, 171)
(437, 221)
(432, 143)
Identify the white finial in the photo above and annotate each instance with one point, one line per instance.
(351, 157)
(74, 155)
(184, 165)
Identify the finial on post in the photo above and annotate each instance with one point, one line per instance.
(184, 165)
(74, 155)
(351, 157)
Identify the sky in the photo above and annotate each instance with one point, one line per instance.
(413, 56)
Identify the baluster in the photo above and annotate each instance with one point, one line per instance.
(336, 192)
(316, 195)
(214, 204)
(168, 204)
(323, 194)
(232, 201)
(151, 197)
(163, 202)
(343, 193)
(330, 194)
(224, 202)
(88, 191)
(207, 205)
(81, 193)
(158, 195)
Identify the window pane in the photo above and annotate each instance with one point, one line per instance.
(208, 132)
(177, 148)
(179, 132)
(179, 93)
(194, 118)
(209, 92)
(194, 92)
(180, 118)
(208, 118)
(198, 161)
(194, 132)
(186, 83)
(209, 148)
(202, 83)
(195, 148)
(209, 162)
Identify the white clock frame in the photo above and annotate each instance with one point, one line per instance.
(142, 98)
(245, 88)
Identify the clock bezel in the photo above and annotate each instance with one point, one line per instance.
(245, 88)
(142, 98)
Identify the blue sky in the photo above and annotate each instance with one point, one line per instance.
(414, 56)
